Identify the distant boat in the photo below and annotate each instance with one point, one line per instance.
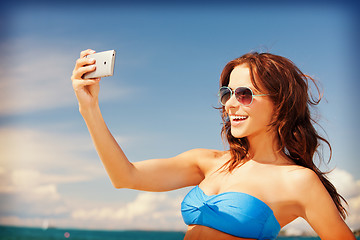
(45, 225)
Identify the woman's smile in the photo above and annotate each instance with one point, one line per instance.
(237, 119)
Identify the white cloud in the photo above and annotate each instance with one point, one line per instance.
(32, 166)
(27, 177)
(17, 221)
(354, 209)
(30, 180)
(31, 193)
(23, 148)
(349, 188)
(345, 183)
(298, 227)
(147, 211)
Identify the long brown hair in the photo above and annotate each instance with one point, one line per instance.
(288, 88)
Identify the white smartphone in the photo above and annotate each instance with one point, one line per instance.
(104, 64)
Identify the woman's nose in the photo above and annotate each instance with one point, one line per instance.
(232, 102)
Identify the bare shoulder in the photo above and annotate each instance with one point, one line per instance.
(300, 175)
(302, 181)
(202, 153)
(206, 159)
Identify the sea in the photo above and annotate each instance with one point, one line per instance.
(26, 233)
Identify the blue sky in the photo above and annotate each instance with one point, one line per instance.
(159, 103)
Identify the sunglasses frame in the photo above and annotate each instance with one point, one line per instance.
(232, 92)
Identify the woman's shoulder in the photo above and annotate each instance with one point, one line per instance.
(297, 174)
(207, 159)
(202, 153)
(300, 180)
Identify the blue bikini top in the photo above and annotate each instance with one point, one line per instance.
(235, 213)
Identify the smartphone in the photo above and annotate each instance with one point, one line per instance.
(104, 64)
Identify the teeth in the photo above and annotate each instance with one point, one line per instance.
(233, 117)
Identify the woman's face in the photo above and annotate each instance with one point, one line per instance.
(248, 121)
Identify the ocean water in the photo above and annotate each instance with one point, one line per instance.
(23, 233)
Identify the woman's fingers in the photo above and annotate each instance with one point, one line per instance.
(82, 83)
(86, 52)
(83, 65)
(81, 62)
(79, 72)
(84, 61)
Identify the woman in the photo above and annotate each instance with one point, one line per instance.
(267, 178)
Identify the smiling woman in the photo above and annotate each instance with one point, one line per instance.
(264, 181)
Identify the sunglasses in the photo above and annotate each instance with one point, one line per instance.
(243, 94)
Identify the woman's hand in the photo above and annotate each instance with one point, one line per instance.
(86, 90)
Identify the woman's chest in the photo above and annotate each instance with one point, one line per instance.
(250, 179)
(266, 185)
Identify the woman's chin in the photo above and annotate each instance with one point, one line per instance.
(237, 134)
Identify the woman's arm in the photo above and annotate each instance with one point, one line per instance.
(151, 175)
(320, 211)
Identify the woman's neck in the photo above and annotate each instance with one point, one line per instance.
(264, 148)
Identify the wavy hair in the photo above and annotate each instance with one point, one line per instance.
(288, 88)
